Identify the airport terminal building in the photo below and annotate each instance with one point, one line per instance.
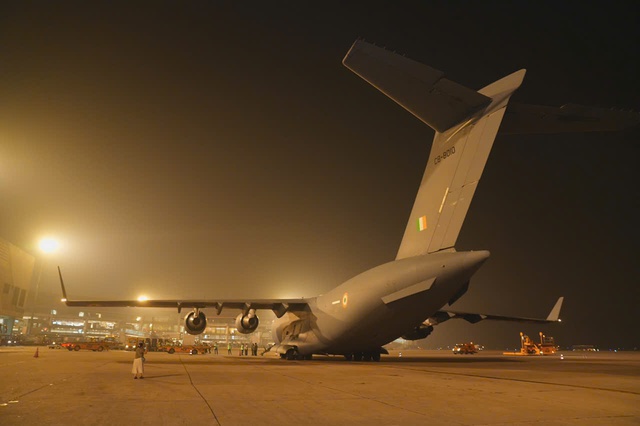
(27, 318)
(16, 273)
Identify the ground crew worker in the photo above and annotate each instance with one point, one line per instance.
(138, 362)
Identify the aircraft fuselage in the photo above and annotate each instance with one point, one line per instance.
(378, 305)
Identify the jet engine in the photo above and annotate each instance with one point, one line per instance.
(248, 323)
(195, 322)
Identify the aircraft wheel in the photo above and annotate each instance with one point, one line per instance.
(357, 356)
(348, 356)
(291, 354)
(375, 357)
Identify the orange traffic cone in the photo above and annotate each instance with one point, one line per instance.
(36, 355)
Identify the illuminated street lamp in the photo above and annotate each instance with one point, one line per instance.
(47, 245)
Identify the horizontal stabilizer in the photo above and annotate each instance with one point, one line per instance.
(441, 316)
(420, 89)
(539, 119)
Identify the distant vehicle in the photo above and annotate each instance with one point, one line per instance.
(585, 348)
(12, 341)
(465, 349)
(54, 346)
(151, 344)
(189, 349)
(91, 346)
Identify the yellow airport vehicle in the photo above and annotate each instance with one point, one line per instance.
(546, 346)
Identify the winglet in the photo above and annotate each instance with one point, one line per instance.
(64, 292)
(554, 315)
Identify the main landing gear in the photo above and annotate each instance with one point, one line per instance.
(292, 354)
(362, 356)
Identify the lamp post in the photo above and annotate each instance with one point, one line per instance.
(47, 245)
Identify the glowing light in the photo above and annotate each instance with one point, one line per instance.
(48, 245)
(142, 298)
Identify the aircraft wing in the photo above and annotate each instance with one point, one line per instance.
(278, 306)
(444, 315)
(537, 119)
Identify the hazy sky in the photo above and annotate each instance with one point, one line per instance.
(220, 149)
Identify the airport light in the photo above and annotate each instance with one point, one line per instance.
(47, 245)
(142, 298)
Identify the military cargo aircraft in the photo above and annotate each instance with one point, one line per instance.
(408, 296)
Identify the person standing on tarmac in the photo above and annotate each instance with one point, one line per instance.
(138, 364)
(229, 348)
(241, 348)
(215, 348)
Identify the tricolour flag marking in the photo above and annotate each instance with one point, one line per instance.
(422, 223)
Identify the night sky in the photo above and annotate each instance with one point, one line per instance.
(220, 149)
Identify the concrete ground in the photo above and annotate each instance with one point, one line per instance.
(417, 388)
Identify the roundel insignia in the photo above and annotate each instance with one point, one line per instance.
(345, 299)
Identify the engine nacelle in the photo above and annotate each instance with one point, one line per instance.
(246, 324)
(418, 333)
(195, 322)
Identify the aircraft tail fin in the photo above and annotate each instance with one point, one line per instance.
(466, 123)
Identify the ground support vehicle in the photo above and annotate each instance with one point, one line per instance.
(465, 348)
(546, 346)
(91, 346)
(188, 349)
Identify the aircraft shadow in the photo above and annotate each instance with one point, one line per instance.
(163, 375)
(462, 360)
(423, 360)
